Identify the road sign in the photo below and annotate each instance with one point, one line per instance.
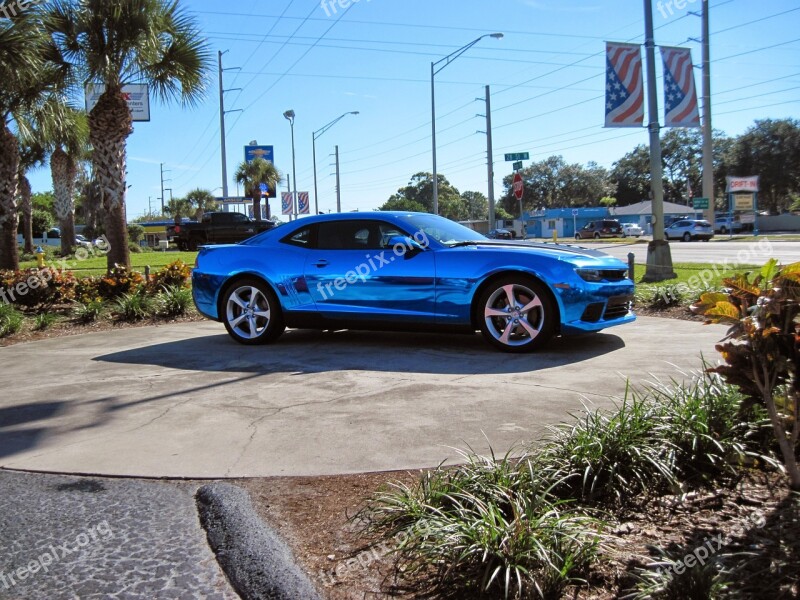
(700, 203)
(517, 156)
(517, 166)
(137, 95)
(574, 212)
(743, 202)
(518, 186)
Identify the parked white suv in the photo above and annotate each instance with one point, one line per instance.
(631, 229)
(689, 229)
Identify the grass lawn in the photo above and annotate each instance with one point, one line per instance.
(698, 276)
(97, 265)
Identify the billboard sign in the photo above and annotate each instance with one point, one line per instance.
(742, 184)
(136, 94)
(253, 152)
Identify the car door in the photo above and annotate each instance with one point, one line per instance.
(355, 274)
(239, 228)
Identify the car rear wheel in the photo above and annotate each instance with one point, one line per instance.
(597, 236)
(687, 237)
(251, 313)
(723, 230)
(577, 236)
(517, 314)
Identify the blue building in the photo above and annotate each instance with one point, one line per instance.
(564, 221)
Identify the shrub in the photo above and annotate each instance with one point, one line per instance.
(762, 348)
(174, 300)
(611, 457)
(87, 289)
(485, 528)
(135, 305)
(177, 273)
(119, 281)
(10, 320)
(661, 581)
(43, 321)
(89, 312)
(37, 287)
(135, 233)
(660, 297)
(134, 247)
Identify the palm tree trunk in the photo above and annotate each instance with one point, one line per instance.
(257, 205)
(63, 170)
(9, 166)
(110, 125)
(27, 209)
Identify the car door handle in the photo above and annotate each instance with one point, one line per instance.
(321, 263)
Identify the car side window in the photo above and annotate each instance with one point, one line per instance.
(301, 237)
(349, 235)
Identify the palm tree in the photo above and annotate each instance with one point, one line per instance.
(68, 136)
(251, 175)
(115, 43)
(31, 155)
(177, 208)
(203, 201)
(26, 80)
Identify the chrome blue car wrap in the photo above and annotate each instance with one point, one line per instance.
(407, 269)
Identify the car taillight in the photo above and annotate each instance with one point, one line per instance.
(177, 229)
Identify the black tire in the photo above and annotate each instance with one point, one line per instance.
(687, 237)
(251, 313)
(723, 230)
(597, 236)
(577, 236)
(193, 244)
(496, 315)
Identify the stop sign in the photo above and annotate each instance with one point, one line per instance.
(517, 186)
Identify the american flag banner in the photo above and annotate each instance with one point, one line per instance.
(286, 203)
(624, 85)
(303, 206)
(680, 95)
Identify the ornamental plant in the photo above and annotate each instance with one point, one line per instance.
(119, 281)
(762, 347)
(175, 274)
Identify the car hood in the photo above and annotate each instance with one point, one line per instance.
(565, 252)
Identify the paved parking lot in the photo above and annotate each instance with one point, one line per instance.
(185, 401)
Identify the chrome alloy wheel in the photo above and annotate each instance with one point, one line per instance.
(514, 315)
(248, 312)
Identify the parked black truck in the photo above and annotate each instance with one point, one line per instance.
(216, 228)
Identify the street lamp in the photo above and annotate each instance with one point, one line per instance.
(289, 115)
(435, 68)
(314, 137)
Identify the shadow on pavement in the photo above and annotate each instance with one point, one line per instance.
(14, 436)
(304, 351)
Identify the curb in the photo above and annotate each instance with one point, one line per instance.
(258, 563)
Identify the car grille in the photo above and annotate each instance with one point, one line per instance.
(614, 274)
(617, 307)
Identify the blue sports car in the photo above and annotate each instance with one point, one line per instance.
(402, 271)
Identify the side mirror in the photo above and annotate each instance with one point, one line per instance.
(405, 246)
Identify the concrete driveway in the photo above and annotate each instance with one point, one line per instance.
(186, 401)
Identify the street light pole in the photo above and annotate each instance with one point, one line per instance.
(338, 184)
(289, 115)
(436, 68)
(314, 137)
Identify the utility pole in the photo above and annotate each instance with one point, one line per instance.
(223, 151)
(659, 257)
(162, 186)
(338, 184)
(708, 146)
(489, 157)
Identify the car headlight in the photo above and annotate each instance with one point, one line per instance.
(593, 275)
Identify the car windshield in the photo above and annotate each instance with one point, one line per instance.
(442, 230)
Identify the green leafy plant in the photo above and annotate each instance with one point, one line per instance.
(44, 321)
(174, 300)
(486, 527)
(176, 273)
(135, 305)
(762, 347)
(10, 320)
(119, 281)
(610, 457)
(705, 580)
(90, 311)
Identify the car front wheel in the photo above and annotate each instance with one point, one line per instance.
(517, 314)
(687, 237)
(251, 313)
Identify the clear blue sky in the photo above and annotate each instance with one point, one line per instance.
(546, 77)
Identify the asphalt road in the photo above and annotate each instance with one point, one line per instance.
(750, 252)
(186, 401)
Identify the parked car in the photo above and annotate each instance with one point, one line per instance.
(605, 228)
(689, 229)
(724, 224)
(500, 234)
(81, 240)
(216, 228)
(631, 229)
(404, 271)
